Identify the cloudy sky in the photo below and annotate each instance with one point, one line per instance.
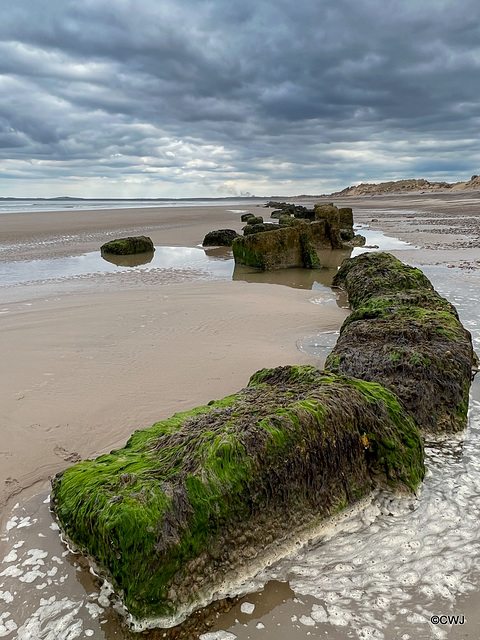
(183, 98)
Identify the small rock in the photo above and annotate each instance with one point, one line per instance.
(220, 238)
(130, 245)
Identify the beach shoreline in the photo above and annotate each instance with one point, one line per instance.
(90, 360)
(43, 389)
(51, 234)
(87, 363)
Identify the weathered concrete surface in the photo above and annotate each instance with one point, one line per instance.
(331, 214)
(259, 228)
(198, 499)
(404, 335)
(279, 249)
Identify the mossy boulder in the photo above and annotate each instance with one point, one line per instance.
(274, 204)
(245, 216)
(370, 275)
(358, 240)
(347, 234)
(255, 220)
(304, 213)
(286, 220)
(199, 498)
(281, 248)
(279, 213)
(220, 238)
(403, 334)
(127, 246)
(259, 228)
(296, 210)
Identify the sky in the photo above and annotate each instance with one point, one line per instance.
(212, 98)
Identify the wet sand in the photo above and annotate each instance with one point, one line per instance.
(88, 360)
(82, 371)
(31, 236)
(85, 369)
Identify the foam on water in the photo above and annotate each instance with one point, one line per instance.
(218, 635)
(402, 560)
(40, 596)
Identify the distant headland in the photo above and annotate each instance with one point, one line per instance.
(408, 186)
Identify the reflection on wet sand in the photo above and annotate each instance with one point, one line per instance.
(215, 262)
(134, 260)
(218, 253)
(298, 278)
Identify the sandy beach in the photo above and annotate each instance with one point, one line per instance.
(83, 370)
(89, 359)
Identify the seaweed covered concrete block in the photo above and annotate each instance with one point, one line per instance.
(259, 228)
(403, 334)
(130, 245)
(295, 240)
(346, 217)
(204, 498)
(278, 249)
(331, 214)
(255, 220)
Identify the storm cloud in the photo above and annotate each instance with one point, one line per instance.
(130, 98)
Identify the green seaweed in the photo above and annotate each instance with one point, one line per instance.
(371, 275)
(403, 334)
(127, 246)
(290, 442)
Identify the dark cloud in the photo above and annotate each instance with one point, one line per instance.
(264, 96)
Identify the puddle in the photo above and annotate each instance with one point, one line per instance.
(319, 345)
(218, 265)
(378, 241)
(216, 262)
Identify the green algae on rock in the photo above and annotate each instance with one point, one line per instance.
(278, 249)
(295, 240)
(220, 238)
(403, 334)
(130, 245)
(259, 228)
(203, 497)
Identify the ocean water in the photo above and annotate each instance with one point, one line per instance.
(31, 205)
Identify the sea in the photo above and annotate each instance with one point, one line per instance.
(32, 205)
